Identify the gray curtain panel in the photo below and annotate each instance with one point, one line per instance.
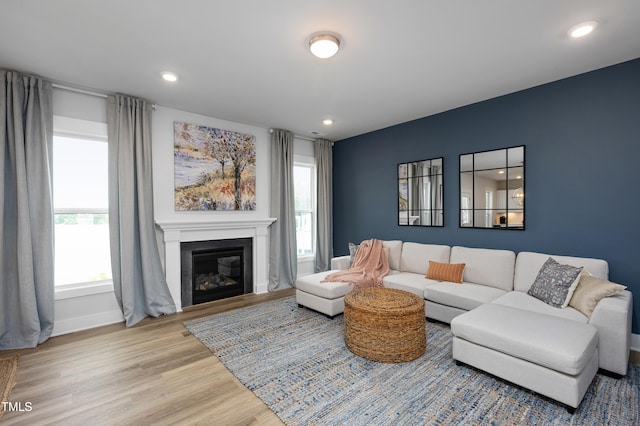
(324, 241)
(138, 279)
(283, 258)
(26, 217)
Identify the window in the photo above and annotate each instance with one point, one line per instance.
(304, 178)
(80, 202)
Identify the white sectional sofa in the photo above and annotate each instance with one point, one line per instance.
(553, 351)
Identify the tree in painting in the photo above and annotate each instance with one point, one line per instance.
(214, 168)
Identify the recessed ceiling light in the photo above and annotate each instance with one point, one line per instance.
(324, 45)
(170, 76)
(327, 122)
(583, 29)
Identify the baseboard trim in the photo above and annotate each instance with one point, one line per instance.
(262, 287)
(86, 322)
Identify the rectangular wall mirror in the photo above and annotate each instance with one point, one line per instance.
(420, 193)
(492, 192)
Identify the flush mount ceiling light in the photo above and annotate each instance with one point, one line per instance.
(324, 45)
(583, 29)
(327, 122)
(169, 76)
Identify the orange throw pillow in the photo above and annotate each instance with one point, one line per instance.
(451, 272)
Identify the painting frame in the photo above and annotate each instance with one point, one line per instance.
(214, 169)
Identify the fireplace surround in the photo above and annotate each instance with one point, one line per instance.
(173, 233)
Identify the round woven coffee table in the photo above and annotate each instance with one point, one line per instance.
(384, 324)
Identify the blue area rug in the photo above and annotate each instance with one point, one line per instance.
(296, 361)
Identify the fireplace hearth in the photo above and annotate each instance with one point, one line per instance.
(214, 270)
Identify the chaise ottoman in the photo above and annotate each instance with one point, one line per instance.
(552, 356)
(327, 298)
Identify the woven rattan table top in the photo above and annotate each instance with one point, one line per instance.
(382, 300)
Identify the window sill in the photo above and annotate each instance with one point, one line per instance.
(71, 291)
(306, 258)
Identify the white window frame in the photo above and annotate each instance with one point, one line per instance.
(310, 162)
(83, 129)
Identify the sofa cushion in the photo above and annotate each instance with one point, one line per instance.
(590, 291)
(395, 251)
(528, 264)
(559, 344)
(340, 263)
(451, 272)
(521, 300)
(465, 296)
(486, 266)
(407, 281)
(330, 290)
(555, 283)
(416, 256)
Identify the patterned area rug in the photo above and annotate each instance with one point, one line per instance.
(8, 372)
(296, 361)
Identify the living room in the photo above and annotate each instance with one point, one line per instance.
(579, 131)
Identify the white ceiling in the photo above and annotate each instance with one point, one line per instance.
(247, 60)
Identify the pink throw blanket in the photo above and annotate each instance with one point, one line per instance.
(368, 268)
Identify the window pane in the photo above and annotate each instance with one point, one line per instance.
(302, 179)
(304, 233)
(82, 248)
(80, 173)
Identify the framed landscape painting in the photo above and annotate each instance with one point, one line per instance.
(214, 169)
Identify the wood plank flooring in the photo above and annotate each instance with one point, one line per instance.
(154, 373)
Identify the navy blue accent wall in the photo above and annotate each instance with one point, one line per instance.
(582, 138)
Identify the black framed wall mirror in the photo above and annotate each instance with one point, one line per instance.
(492, 194)
(420, 193)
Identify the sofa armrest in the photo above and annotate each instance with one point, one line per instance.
(612, 317)
(341, 262)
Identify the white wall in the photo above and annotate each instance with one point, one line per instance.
(79, 105)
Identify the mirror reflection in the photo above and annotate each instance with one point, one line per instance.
(420, 193)
(492, 189)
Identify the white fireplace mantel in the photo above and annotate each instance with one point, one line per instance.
(176, 232)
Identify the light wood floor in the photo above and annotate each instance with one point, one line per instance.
(153, 373)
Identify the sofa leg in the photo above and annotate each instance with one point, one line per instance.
(459, 363)
(571, 410)
(611, 374)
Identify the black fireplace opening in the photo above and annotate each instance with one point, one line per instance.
(214, 270)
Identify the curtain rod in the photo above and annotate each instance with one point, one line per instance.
(74, 89)
(88, 92)
(297, 136)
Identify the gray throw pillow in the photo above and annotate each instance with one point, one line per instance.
(553, 283)
(353, 248)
